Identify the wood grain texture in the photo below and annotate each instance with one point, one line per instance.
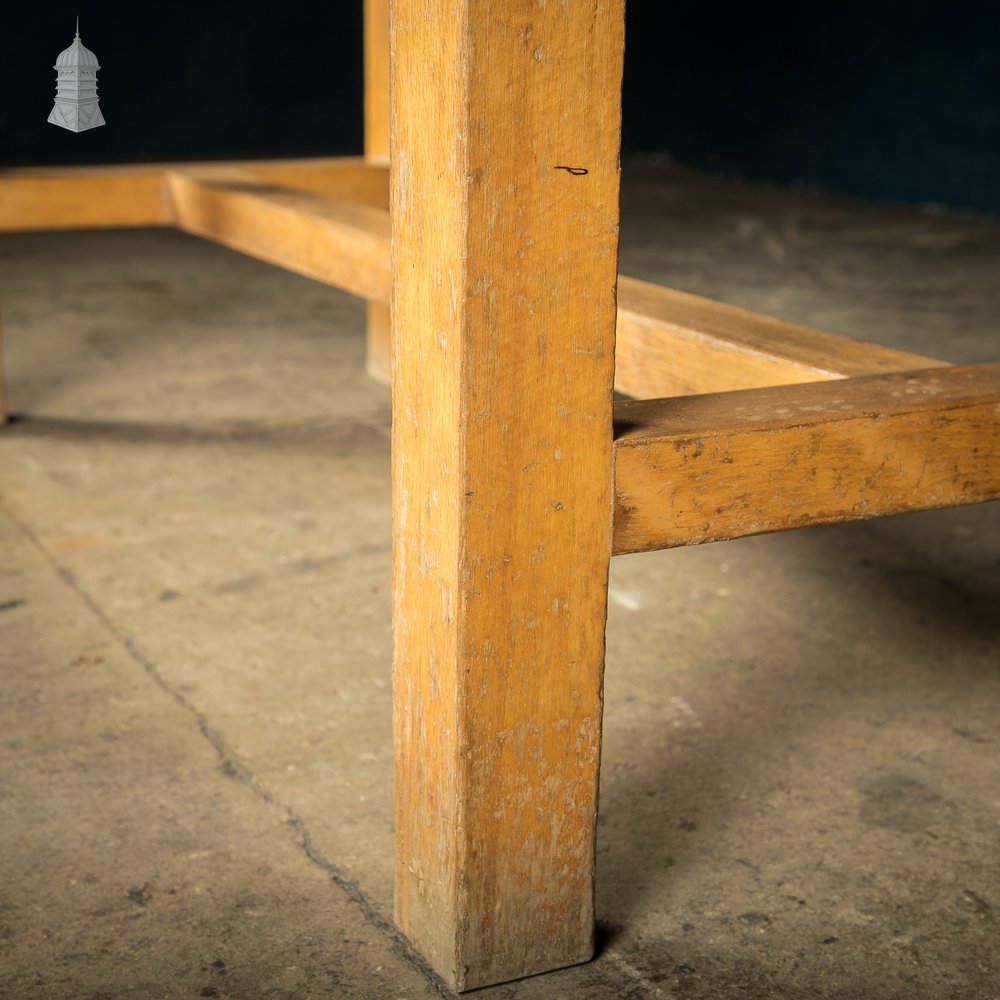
(335, 241)
(505, 268)
(671, 343)
(706, 468)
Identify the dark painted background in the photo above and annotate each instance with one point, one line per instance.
(887, 99)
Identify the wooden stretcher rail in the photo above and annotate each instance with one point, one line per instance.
(671, 343)
(331, 223)
(124, 195)
(723, 465)
(668, 342)
(339, 242)
(112, 197)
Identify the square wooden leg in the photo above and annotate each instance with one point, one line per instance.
(505, 170)
(378, 342)
(376, 46)
(3, 383)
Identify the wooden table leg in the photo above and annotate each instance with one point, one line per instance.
(378, 350)
(3, 382)
(505, 147)
(378, 342)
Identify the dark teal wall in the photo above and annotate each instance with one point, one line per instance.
(186, 80)
(888, 99)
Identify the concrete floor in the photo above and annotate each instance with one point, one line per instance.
(801, 786)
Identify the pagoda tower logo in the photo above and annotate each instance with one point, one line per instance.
(76, 106)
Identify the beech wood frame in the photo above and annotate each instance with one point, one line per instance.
(745, 424)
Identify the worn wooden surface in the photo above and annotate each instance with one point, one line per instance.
(378, 322)
(705, 468)
(671, 343)
(505, 267)
(340, 242)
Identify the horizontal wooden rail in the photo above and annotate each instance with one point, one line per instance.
(33, 198)
(669, 343)
(125, 195)
(349, 179)
(710, 467)
(338, 242)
